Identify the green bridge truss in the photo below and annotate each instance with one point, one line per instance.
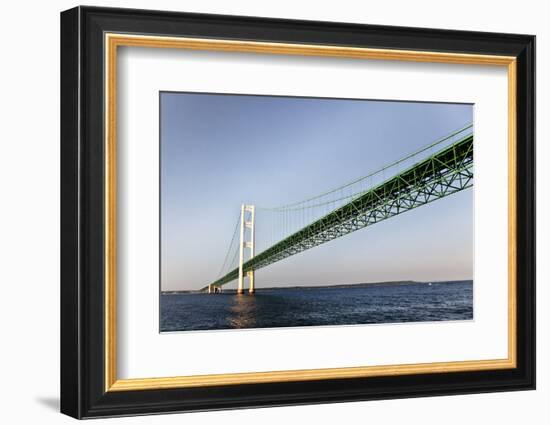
(448, 171)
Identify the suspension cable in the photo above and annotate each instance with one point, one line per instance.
(230, 245)
(381, 170)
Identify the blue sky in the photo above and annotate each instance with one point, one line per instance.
(218, 151)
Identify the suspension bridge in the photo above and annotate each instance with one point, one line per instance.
(438, 170)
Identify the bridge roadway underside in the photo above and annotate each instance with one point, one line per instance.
(442, 174)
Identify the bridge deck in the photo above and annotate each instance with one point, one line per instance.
(446, 172)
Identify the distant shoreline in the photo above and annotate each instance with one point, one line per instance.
(342, 285)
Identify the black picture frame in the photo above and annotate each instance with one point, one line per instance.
(83, 392)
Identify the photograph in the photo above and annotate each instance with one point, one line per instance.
(285, 211)
(282, 209)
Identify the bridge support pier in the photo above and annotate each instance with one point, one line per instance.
(251, 288)
(247, 222)
(240, 286)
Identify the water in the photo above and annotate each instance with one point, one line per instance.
(273, 308)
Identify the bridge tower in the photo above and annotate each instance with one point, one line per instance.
(246, 242)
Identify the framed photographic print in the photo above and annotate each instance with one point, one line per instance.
(261, 212)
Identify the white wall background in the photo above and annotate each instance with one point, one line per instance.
(29, 213)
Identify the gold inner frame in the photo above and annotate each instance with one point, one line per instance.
(113, 41)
